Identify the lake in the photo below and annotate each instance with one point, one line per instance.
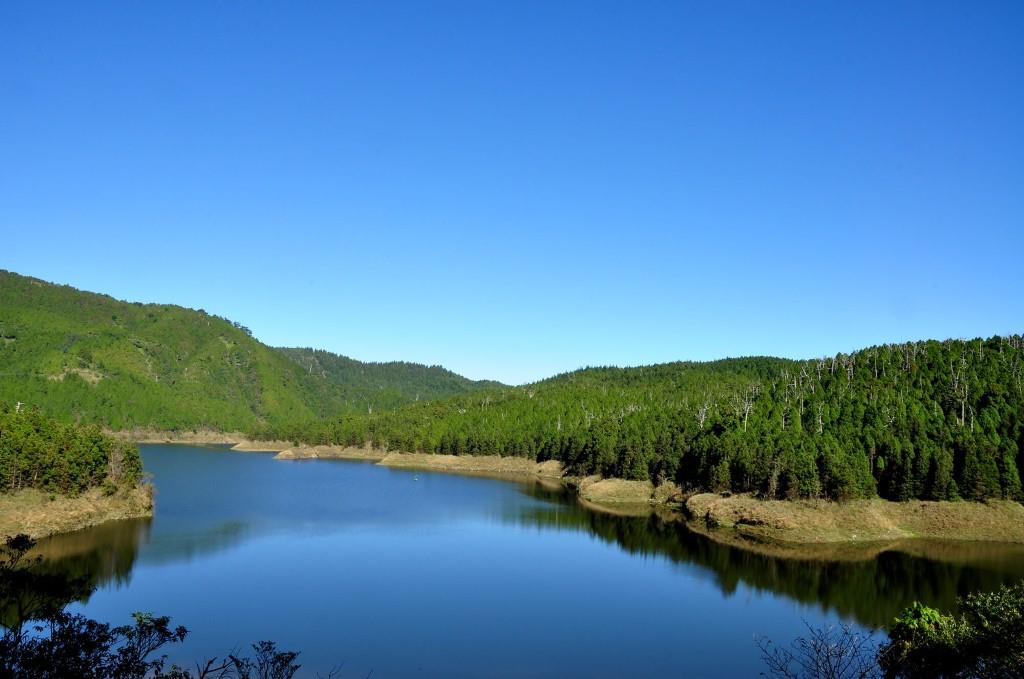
(407, 573)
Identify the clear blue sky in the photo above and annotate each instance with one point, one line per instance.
(521, 188)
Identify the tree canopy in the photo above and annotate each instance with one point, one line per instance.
(39, 452)
(932, 420)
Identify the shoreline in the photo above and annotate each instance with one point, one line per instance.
(822, 522)
(735, 519)
(34, 513)
(200, 436)
(966, 552)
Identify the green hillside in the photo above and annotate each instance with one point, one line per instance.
(930, 420)
(382, 385)
(89, 357)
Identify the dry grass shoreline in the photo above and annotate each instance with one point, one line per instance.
(201, 436)
(734, 519)
(34, 512)
(821, 522)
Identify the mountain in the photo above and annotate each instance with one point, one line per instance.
(390, 384)
(932, 420)
(89, 357)
(925, 420)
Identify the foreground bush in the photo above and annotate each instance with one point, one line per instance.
(985, 641)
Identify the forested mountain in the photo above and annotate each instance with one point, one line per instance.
(389, 384)
(88, 357)
(932, 419)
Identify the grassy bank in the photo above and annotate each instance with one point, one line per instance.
(57, 477)
(38, 513)
(197, 436)
(820, 521)
(493, 465)
(994, 555)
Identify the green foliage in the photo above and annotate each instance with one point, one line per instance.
(90, 358)
(382, 386)
(985, 640)
(39, 452)
(927, 420)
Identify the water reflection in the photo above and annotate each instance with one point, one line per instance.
(101, 555)
(211, 502)
(870, 583)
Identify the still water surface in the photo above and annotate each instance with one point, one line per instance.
(408, 573)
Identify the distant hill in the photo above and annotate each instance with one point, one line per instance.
(527, 420)
(383, 385)
(89, 357)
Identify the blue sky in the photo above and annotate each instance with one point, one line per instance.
(517, 189)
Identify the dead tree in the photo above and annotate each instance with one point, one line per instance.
(748, 402)
(961, 388)
(702, 413)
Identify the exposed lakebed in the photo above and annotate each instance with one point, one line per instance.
(411, 573)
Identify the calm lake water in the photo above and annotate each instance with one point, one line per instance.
(416, 574)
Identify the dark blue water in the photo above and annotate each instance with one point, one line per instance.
(417, 574)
